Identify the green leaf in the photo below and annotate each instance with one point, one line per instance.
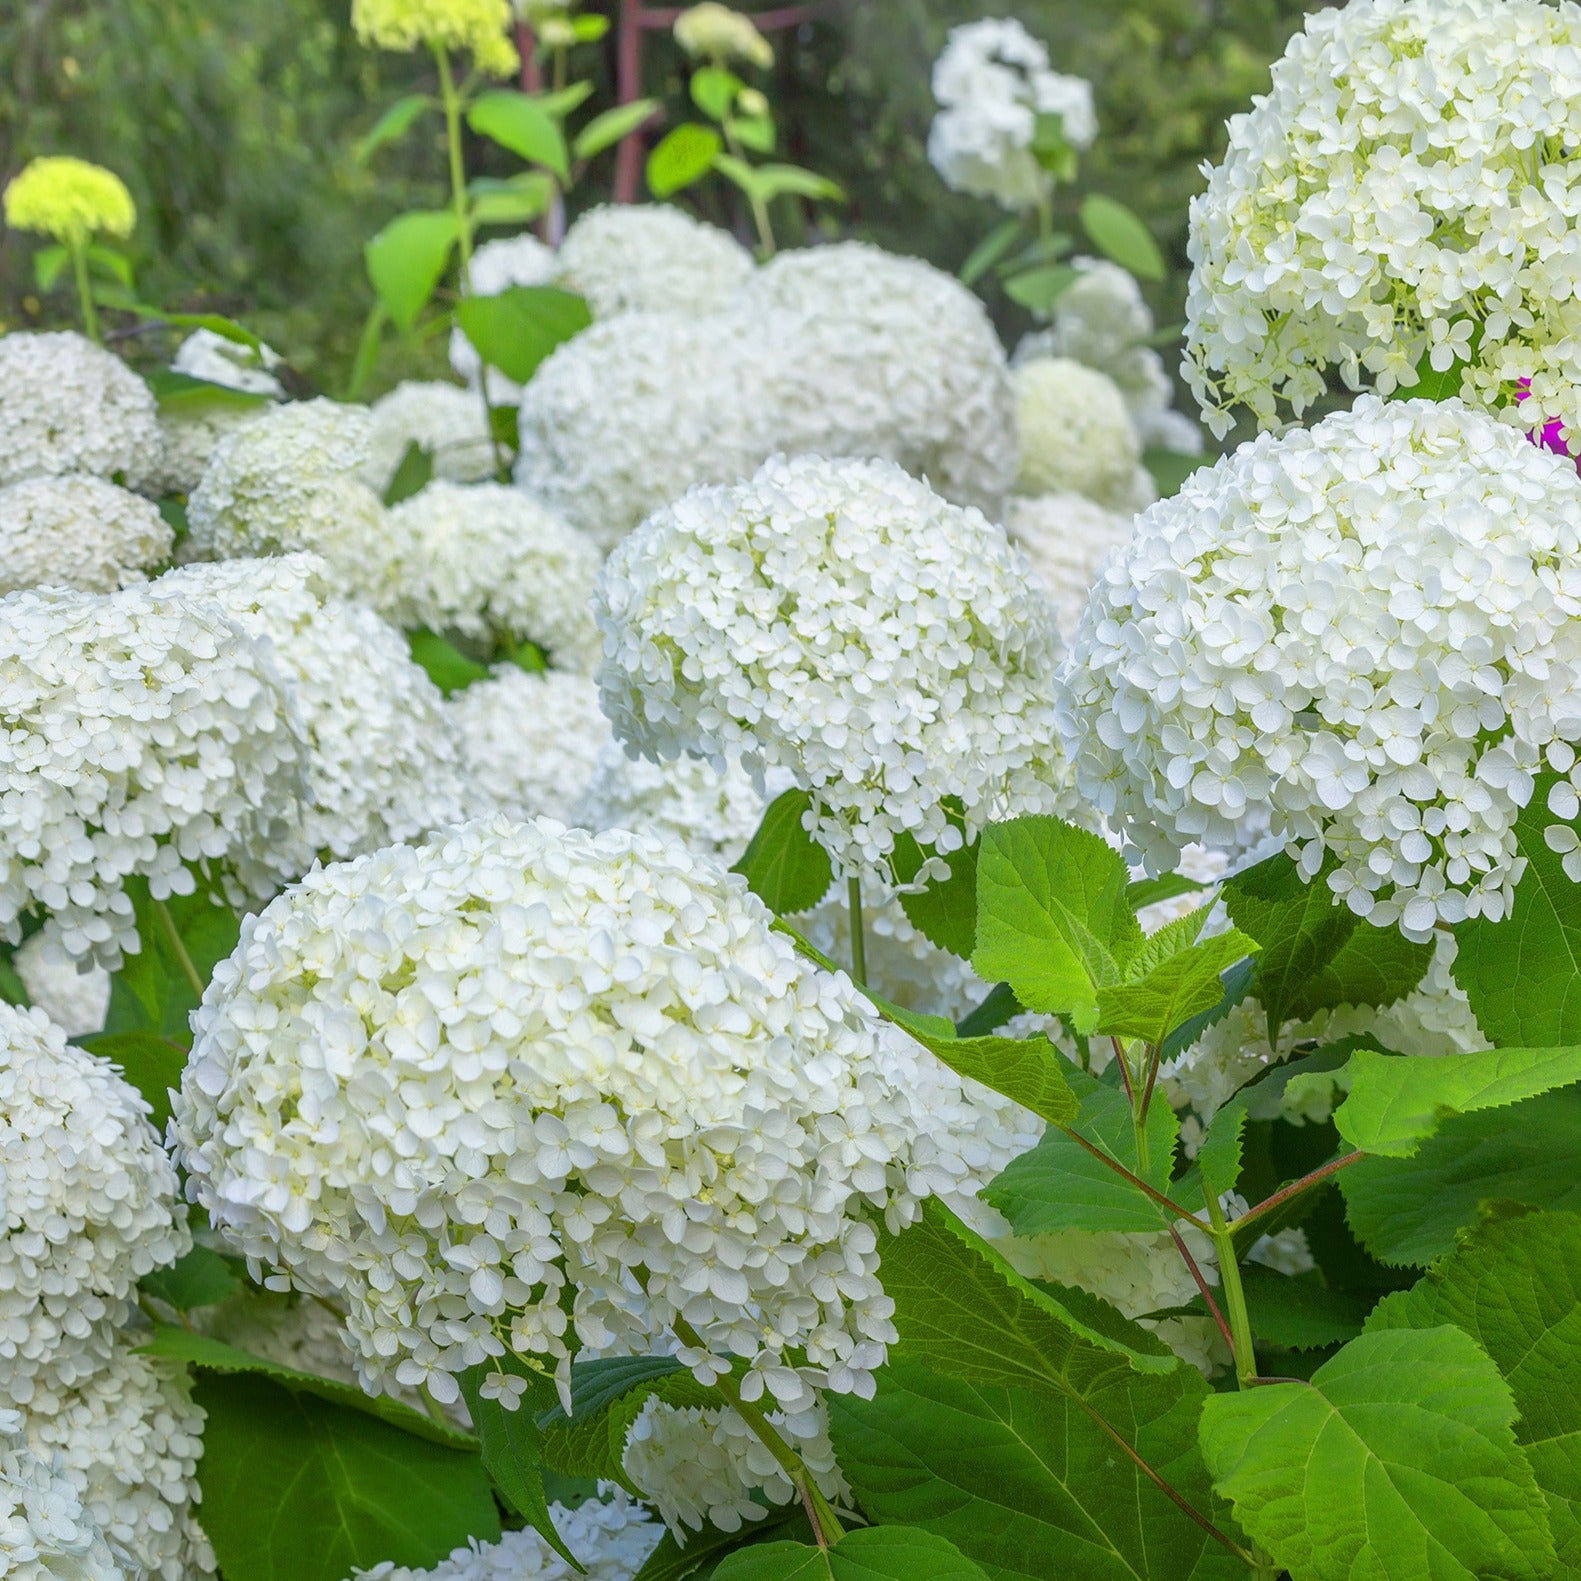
(945, 910)
(519, 122)
(998, 1007)
(592, 1441)
(393, 125)
(767, 182)
(1039, 288)
(1169, 994)
(1219, 1157)
(200, 1279)
(1169, 469)
(753, 131)
(180, 394)
(990, 250)
(1059, 1185)
(1141, 893)
(1398, 1461)
(671, 1561)
(1395, 1104)
(13, 991)
(407, 260)
(612, 127)
(784, 866)
(1038, 1484)
(1120, 235)
(1300, 1313)
(1410, 1210)
(447, 667)
(563, 101)
(1316, 953)
(1514, 1285)
(413, 473)
(111, 265)
(297, 1488)
(514, 201)
(1052, 916)
(874, 1553)
(1523, 975)
(1030, 1070)
(516, 329)
(49, 263)
(151, 1062)
(714, 91)
(683, 156)
(589, 29)
(152, 992)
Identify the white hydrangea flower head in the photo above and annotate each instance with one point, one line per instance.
(77, 531)
(1066, 537)
(700, 1465)
(649, 258)
(205, 354)
(1374, 209)
(67, 405)
(199, 762)
(1077, 436)
(381, 763)
(492, 564)
(639, 1105)
(1369, 629)
(530, 743)
(89, 1203)
(444, 419)
(612, 1535)
(992, 81)
(890, 359)
(709, 810)
(189, 438)
(45, 1534)
(130, 1438)
(838, 621)
(76, 1001)
(496, 266)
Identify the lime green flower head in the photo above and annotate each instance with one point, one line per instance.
(711, 31)
(70, 200)
(478, 27)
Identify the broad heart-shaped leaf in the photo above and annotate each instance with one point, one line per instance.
(1173, 989)
(298, 1488)
(407, 260)
(872, 1553)
(683, 156)
(1053, 919)
(1514, 1285)
(1395, 1104)
(1316, 953)
(517, 328)
(520, 123)
(200, 1279)
(1030, 1070)
(1409, 1210)
(1397, 1461)
(1059, 1185)
(1120, 235)
(1523, 975)
(1035, 1484)
(1299, 1313)
(783, 865)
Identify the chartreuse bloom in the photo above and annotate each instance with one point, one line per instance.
(714, 32)
(480, 28)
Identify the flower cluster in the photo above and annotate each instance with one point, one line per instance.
(842, 623)
(1402, 193)
(76, 1000)
(1077, 436)
(69, 200)
(67, 405)
(480, 28)
(77, 531)
(445, 420)
(994, 85)
(1066, 537)
(191, 434)
(45, 1534)
(713, 32)
(1369, 629)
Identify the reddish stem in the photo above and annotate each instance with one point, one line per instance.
(527, 48)
(1136, 1180)
(1202, 1285)
(628, 89)
(1296, 1187)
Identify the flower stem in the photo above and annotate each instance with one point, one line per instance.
(767, 246)
(853, 890)
(1234, 1296)
(177, 948)
(79, 273)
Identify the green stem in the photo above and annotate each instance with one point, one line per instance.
(853, 891)
(1045, 218)
(760, 210)
(177, 948)
(367, 350)
(79, 273)
(1234, 1296)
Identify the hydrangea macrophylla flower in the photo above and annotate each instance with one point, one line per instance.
(496, 266)
(1369, 629)
(494, 565)
(479, 28)
(89, 1203)
(381, 762)
(45, 1534)
(1373, 210)
(838, 621)
(143, 733)
(533, 1089)
(1077, 436)
(67, 405)
(1066, 537)
(443, 419)
(993, 82)
(77, 531)
(70, 200)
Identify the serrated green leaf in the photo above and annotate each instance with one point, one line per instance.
(1395, 1104)
(874, 1553)
(446, 666)
(151, 1062)
(519, 122)
(592, 1442)
(1039, 288)
(682, 157)
(516, 329)
(990, 250)
(783, 865)
(1118, 234)
(1219, 1157)
(407, 260)
(298, 1488)
(1052, 916)
(612, 127)
(1398, 1461)
(673, 1561)
(152, 992)
(1030, 1070)
(200, 1279)
(1514, 1285)
(1170, 992)
(393, 125)
(1300, 1313)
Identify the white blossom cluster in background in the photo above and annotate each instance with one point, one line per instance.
(1077, 436)
(1368, 628)
(190, 434)
(1404, 191)
(994, 84)
(1066, 537)
(841, 623)
(447, 421)
(77, 531)
(671, 1062)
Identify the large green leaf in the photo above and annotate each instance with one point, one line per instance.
(150, 1061)
(299, 1488)
(945, 910)
(1395, 1104)
(874, 1553)
(683, 156)
(1398, 1461)
(407, 260)
(152, 991)
(1523, 975)
(783, 865)
(1299, 1313)
(202, 1278)
(1219, 1157)
(673, 1561)
(444, 663)
(1120, 235)
(1053, 919)
(1316, 953)
(517, 328)
(1030, 1070)
(1514, 1285)
(1409, 1210)
(1172, 989)
(519, 122)
(612, 127)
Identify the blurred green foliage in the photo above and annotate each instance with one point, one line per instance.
(235, 126)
